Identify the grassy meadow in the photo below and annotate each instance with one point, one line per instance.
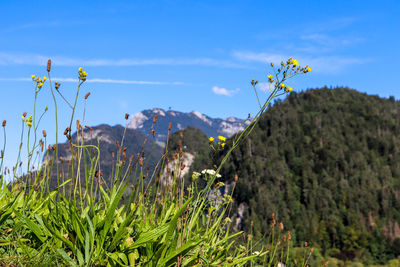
(138, 217)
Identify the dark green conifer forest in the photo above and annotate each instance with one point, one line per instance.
(327, 163)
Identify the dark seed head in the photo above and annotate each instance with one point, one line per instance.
(48, 65)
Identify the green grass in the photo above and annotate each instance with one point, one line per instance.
(86, 221)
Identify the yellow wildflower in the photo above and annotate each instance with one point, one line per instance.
(44, 78)
(295, 62)
(82, 74)
(33, 76)
(40, 85)
(288, 89)
(211, 139)
(28, 121)
(281, 86)
(219, 184)
(23, 118)
(223, 139)
(223, 145)
(308, 69)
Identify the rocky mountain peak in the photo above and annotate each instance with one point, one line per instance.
(143, 122)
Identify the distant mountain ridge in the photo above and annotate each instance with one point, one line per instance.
(143, 121)
(138, 138)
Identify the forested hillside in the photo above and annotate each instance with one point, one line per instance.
(327, 163)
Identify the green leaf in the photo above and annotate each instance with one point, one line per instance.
(123, 257)
(115, 256)
(66, 257)
(171, 257)
(105, 195)
(6, 210)
(80, 257)
(92, 231)
(43, 227)
(173, 223)
(243, 260)
(115, 199)
(31, 226)
(87, 247)
(58, 235)
(121, 231)
(150, 236)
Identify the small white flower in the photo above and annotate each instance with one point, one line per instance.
(210, 172)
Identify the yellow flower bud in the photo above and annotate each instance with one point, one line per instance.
(33, 76)
(44, 78)
(80, 69)
(288, 89)
(222, 138)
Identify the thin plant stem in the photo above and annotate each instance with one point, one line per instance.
(2, 156)
(56, 117)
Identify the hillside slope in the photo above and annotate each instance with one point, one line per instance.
(327, 163)
(107, 137)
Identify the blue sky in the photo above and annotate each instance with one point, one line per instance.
(187, 55)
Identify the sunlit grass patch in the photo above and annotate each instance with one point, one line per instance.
(64, 211)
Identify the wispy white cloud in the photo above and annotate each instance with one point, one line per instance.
(329, 40)
(223, 91)
(132, 82)
(335, 24)
(321, 64)
(265, 87)
(96, 80)
(316, 38)
(321, 42)
(258, 57)
(32, 25)
(41, 60)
